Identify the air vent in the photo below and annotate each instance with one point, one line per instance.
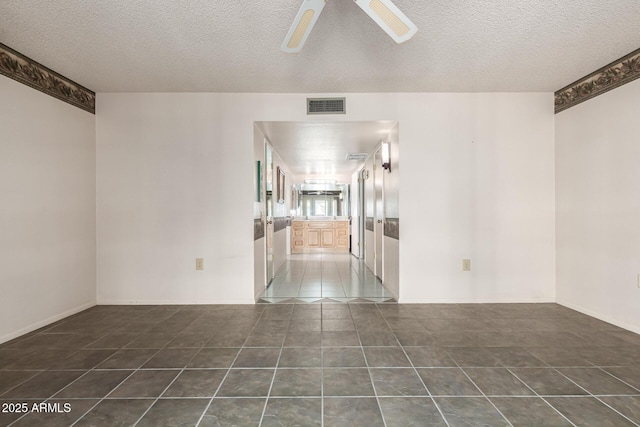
(326, 105)
(357, 156)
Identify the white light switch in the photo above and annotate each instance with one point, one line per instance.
(199, 263)
(466, 265)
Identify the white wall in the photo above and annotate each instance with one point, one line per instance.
(392, 177)
(481, 168)
(259, 255)
(391, 265)
(47, 218)
(369, 212)
(175, 181)
(598, 206)
(391, 249)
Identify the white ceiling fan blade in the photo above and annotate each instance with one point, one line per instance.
(389, 18)
(302, 25)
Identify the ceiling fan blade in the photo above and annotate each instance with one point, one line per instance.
(302, 25)
(389, 18)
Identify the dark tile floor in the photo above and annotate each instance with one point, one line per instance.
(323, 364)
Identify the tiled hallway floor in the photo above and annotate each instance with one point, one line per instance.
(324, 364)
(312, 277)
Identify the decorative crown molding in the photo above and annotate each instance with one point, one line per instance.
(618, 73)
(27, 71)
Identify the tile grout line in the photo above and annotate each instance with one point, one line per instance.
(481, 391)
(624, 382)
(28, 379)
(103, 398)
(86, 373)
(169, 385)
(589, 394)
(48, 398)
(614, 409)
(539, 396)
(228, 369)
(321, 366)
(140, 368)
(517, 396)
(342, 282)
(366, 362)
(273, 378)
(415, 371)
(621, 380)
(321, 275)
(304, 271)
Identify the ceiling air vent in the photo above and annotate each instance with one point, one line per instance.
(326, 105)
(357, 156)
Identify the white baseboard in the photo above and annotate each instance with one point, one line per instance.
(476, 301)
(175, 302)
(600, 316)
(45, 322)
(393, 294)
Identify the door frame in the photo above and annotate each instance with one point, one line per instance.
(269, 273)
(378, 210)
(361, 212)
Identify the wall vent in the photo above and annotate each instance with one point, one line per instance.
(326, 105)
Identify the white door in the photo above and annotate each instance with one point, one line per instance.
(357, 215)
(378, 176)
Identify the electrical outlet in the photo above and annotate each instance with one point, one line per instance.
(639, 280)
(199, 263)
(466, 265)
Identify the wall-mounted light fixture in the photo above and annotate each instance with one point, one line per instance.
(386, 156)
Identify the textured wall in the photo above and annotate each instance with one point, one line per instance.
(47, 219)
(598, 206)
(175, 181)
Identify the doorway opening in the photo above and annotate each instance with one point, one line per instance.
(323, 201)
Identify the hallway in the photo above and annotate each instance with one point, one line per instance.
(317, 277)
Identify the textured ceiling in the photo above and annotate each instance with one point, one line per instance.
(233, 46)
(317, 149)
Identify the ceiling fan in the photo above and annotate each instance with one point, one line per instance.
(383, 12)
